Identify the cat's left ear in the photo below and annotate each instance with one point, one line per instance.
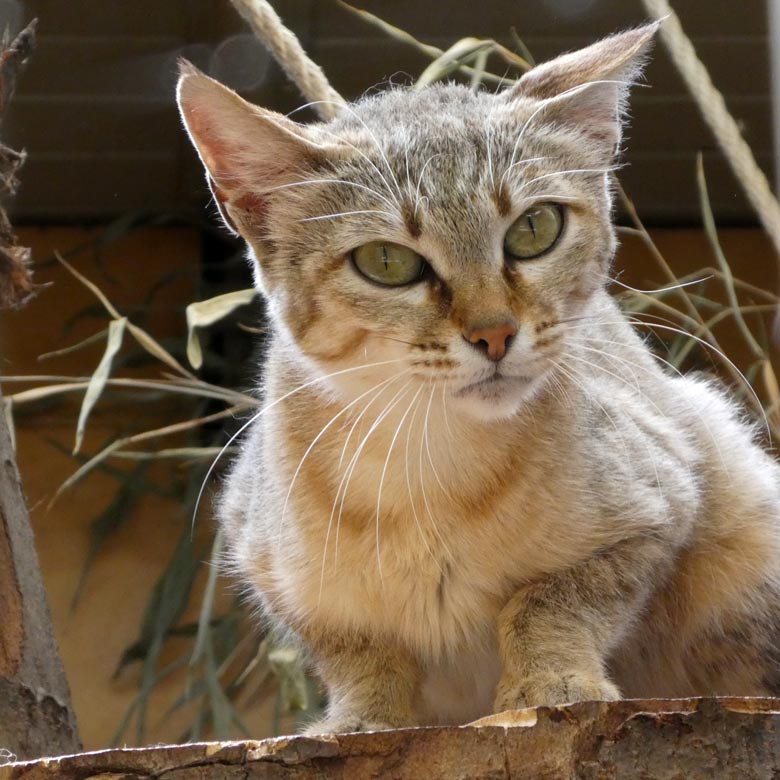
(588, 89)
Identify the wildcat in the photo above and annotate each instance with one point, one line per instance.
(473, 488)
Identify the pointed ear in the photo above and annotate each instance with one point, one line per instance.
(588, 89)
(246, 150)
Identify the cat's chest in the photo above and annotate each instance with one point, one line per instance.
(411, 584)
(413, 560)
(413, 535)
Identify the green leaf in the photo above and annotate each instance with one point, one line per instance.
(207, 602)
(201, 314)
(116, 332)
(167, 604)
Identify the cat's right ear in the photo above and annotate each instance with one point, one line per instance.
(588, 89)
(247, 151)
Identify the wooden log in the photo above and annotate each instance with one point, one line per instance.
(36, 717)
(16, 284)
(684, 739)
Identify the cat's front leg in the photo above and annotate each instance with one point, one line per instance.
(556, 634)
(372, 684)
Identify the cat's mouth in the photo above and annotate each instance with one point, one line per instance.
(494, 385)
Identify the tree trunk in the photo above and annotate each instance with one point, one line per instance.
(36, 717)
(697, 739)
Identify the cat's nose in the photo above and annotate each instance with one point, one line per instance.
(493, 340)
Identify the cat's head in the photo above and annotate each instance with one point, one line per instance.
(442, 236)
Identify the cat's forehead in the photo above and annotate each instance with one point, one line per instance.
(436, 118)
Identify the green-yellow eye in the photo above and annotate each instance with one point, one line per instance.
(534, 231)
(389, 264)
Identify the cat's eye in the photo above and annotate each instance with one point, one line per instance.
(534, 231)
(393, 265)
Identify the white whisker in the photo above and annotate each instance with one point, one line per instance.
(662, 289)
(444, 409)
(412, 503)
(526, 161)
(419, 181)
(551, 101)
(322, 432)
(428, 446)
(702, 418)
(561, 173)
(488, 144)
(338, 491)
(342, 140)
(351, 466)
(723, 357)
(426, 504)
(343, 182)
(391, 217)
(384, 472)
(270, 406)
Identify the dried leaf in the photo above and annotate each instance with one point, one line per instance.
(85, 469)
(116, 332)
(204, 313)
(74, 347)
(38, 393)
(286, 662)
(712, 234)
(152, 346)
(91, 286)
(156, 349)
(403, 36)
(770, 383)
(172, 453)
(451, 60)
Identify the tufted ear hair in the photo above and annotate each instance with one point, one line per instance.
(588, 89)
(247, 151)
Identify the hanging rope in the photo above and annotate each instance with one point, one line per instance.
(721, 122)
(289, 53)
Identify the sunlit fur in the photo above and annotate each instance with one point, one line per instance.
(447, 535)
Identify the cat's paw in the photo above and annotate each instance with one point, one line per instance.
(549, 689)
(344, 724)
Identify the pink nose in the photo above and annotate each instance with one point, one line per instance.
(493, 340)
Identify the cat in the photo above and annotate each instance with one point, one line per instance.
(472, 487)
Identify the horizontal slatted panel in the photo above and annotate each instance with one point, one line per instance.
(99, 88)
(591, 18)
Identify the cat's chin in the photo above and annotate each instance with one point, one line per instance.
(495, 398)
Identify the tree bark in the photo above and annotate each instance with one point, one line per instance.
(696, 739)
(36, 717)
(16, 285)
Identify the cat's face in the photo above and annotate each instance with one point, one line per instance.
(440, 238)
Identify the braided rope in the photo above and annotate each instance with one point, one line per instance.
(721, 122)
(289, 53)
